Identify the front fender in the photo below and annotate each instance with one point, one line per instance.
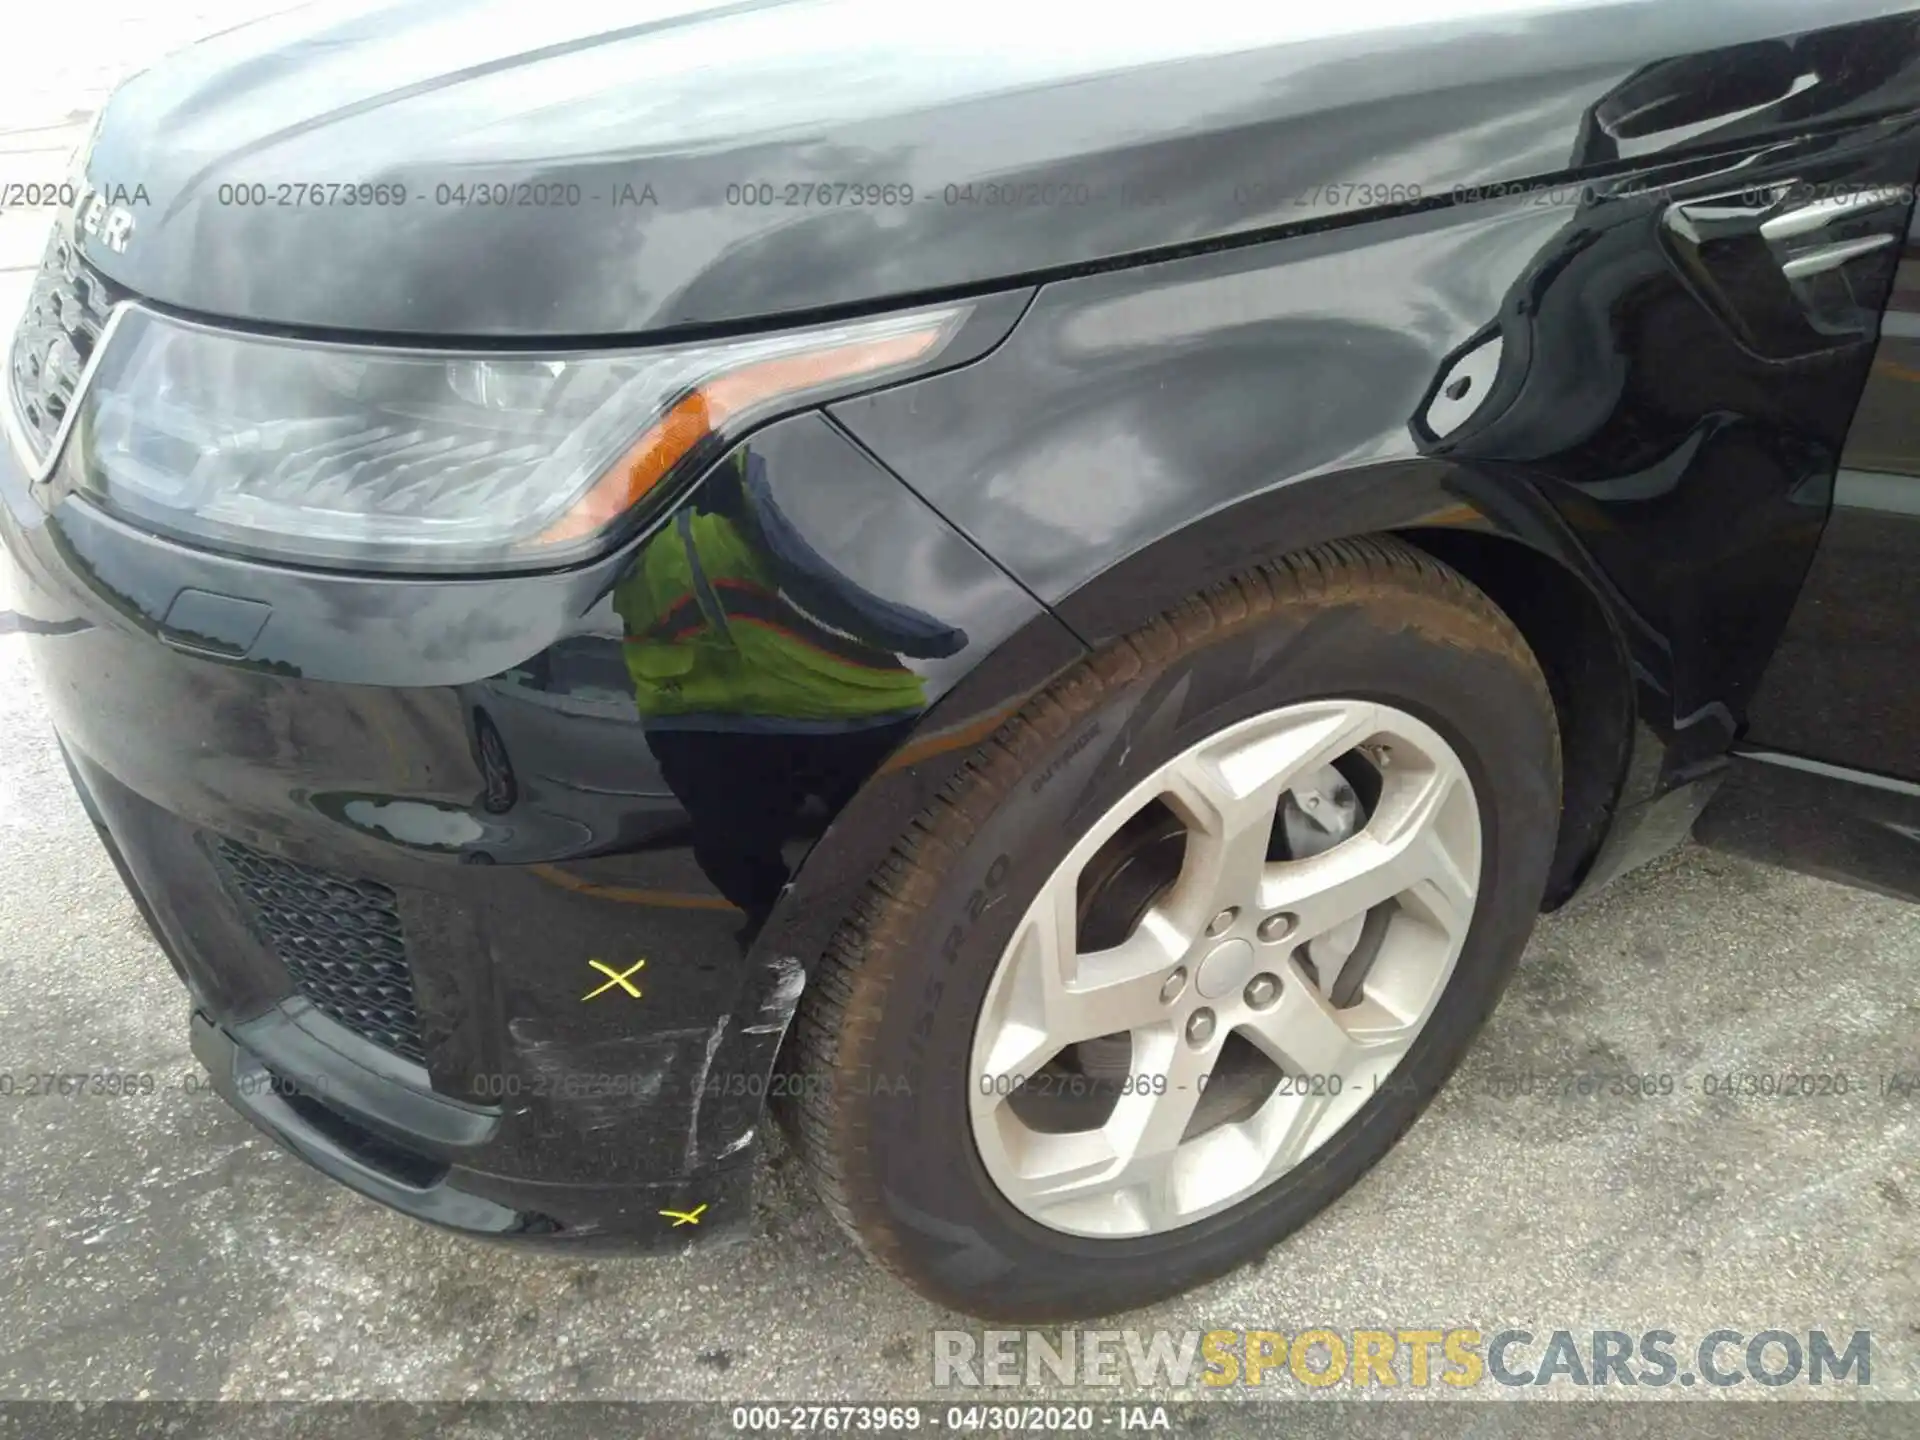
(1145, 432)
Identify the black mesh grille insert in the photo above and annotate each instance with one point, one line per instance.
(66, 311)
(340, 940)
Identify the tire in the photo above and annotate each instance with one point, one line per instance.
(884, 1035)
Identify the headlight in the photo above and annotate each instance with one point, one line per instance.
(382, 458)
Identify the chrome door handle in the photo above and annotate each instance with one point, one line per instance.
(1822, 213)
(1832, 257)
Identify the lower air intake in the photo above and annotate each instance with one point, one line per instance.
(340, 940)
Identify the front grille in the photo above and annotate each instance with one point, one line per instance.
(340, 940)
(66, 311)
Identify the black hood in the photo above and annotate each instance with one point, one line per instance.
(672, 165)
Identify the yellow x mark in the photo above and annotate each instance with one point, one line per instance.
(617, 978)
(685, 1217)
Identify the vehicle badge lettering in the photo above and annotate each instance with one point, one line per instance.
(104, 219)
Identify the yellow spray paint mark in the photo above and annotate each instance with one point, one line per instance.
(615, 978)
(685, 1217)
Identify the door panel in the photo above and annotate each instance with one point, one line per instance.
(1844, 685)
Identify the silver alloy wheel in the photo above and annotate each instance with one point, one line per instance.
(1236, 945)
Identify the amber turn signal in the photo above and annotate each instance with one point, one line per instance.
(727, 397)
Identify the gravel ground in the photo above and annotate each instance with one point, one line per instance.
(158, 1247)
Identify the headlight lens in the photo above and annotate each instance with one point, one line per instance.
(381, 458)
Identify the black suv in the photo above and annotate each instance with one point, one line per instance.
(1046, 598)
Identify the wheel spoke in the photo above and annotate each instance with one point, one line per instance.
(1228, 792)
(1061, 996)
(1296, 1127)
(1066, 1168)
(1133, 1149)
(1332, 1059)
(1394, 855)
(1147, 1125)
(1302, 1033)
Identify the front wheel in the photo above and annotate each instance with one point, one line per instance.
(1189, 944)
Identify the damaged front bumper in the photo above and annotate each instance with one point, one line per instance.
(448, 931)
(640, 1141)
